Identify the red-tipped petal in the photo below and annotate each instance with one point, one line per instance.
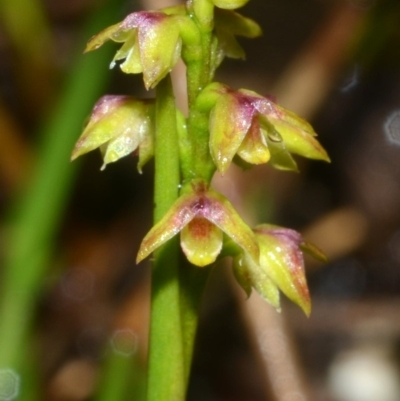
(282, 260)
(180, 214)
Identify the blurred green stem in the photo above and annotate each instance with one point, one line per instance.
(22, 20)
(37, 217)
(116, 378)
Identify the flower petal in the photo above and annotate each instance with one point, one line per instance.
(160, 46)
(110, 115)
(230, 119)
(126, 52)
(119, 147)
(280, 156)
(250, 274)
(313, 251)
(230, 4)
(236, 24)
(146, 148)
(180, 214)
(98, 40)
(299, 140)
(282, 260)
(201, 241)
(229, 45)
(220, 212)
(297, 134)
(254, 149)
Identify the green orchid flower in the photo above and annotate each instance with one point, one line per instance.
(281, 266)
(256, 129)
(152, 42)
(118, 125)
(201, 215)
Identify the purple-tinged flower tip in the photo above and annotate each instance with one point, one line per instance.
(119, 125)
(201, 215)
(282, 259)
(281, 262)
(151, 44)
(245, 123)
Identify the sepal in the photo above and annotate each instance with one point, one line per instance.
(249, 275)
(282, 260)
(228, 25)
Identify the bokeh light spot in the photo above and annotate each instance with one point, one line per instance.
(124, 342)
(9, 384)
(392, 128)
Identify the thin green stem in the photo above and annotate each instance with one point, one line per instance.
(193, 281)
(199, 76)
(166, 379)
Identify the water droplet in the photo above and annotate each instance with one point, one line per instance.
(9, 384)
(274, 136)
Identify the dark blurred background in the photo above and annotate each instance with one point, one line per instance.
(73, 304)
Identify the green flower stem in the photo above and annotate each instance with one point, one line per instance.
(193, 281)
(166, 379)
(199, 73)
(38, 214)
(204, 12)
